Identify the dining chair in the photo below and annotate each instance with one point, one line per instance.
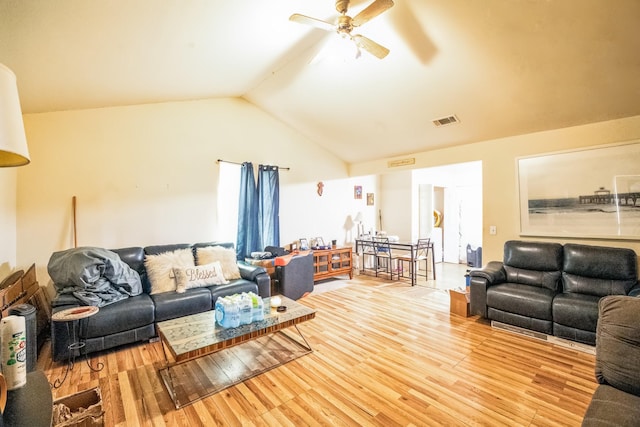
(368, 254)
(384, 258)
(420, 254)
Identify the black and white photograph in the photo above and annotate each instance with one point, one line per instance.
(592, 192)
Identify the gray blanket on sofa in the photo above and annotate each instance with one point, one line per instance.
(95, 276)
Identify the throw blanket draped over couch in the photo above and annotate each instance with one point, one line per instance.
(95, 276)
(137, 287)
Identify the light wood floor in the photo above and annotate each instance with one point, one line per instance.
(385, 354)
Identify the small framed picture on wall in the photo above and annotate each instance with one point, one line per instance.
(369, 199)
(357, 192)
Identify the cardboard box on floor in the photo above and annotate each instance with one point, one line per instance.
(84, 410)
(459, 303)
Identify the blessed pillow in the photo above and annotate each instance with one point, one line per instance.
(160, 269)
(200, 275)
(226, 258)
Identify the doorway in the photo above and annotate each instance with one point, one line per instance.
(455, 193)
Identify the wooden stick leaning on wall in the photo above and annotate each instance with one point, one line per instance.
(75, 231)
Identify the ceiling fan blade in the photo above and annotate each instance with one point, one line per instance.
(306, 20)
(370, 46)
(371, 11)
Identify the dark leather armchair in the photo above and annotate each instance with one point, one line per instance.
(294, 273)
(616, 401)
(520, 290)
(588, 274)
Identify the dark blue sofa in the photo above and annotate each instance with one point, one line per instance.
(133, 319)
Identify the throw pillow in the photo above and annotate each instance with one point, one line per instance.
(201, 275)
(160, 269)
(226, 258)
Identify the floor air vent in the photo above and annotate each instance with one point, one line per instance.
(449, 120)
(585, 348)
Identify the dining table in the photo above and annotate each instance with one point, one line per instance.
(409, 246)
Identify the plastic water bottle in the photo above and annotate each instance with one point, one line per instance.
(14, 351)
(227, 313)
(258, 308)
(245, 304)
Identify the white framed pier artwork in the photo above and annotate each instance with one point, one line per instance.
(588, 193)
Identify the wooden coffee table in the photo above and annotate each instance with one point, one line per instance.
(195, 365)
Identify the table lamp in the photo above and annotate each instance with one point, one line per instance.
(358, 220)
(13, 141)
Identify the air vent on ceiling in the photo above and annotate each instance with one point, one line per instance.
(449, 120)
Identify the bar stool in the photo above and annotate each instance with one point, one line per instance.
(420, 253)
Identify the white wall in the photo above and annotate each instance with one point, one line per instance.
(329, 216)
(147, 174)
(397, 204)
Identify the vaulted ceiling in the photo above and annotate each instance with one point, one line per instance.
(502, 67)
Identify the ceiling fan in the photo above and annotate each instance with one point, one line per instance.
(345, 24)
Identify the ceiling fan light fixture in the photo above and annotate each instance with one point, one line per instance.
(345, 24)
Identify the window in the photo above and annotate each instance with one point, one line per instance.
(228, 194)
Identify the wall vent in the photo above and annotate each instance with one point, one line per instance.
(443, 121)
(401, 162)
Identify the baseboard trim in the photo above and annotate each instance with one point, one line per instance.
(585, 348)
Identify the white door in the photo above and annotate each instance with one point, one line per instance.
(425, 209)
(451, 228)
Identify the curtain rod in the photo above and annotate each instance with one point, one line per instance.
(236, 163)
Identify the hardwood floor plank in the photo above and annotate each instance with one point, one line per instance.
(385, 354)
(132, 397)
(206, 416)
(114, 405)
(276, 417)
(250, 401)
(264, 397)
(335, 411)
(149, 396)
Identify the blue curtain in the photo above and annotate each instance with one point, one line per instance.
(258, 210)
(248, 232)
(269, 205)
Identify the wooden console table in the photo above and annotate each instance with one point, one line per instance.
(332, 262)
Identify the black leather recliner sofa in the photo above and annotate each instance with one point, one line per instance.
(133, 319)
(551, 288)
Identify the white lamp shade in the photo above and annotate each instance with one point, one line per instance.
(13, 141)
(358, 217)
